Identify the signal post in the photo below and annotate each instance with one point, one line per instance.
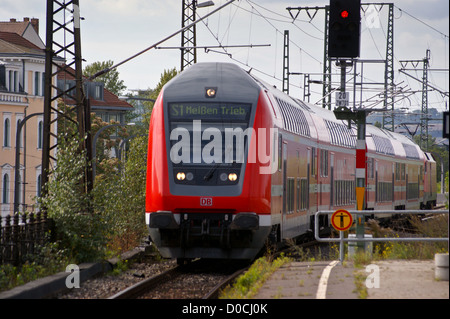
(344, 44)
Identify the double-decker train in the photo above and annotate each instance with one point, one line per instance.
(234, 162)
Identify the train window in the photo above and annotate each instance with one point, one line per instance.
(323, 163)
(298, 194)
(294, 118)
(384, 192)
(313, 161)
(383, 145)
(290, 195)
(411, 151)
(221, 136)
(304, 194)
(280, 147)
(400, 174)
(340, 134)
(370, 168)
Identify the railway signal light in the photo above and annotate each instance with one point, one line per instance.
(344, 28)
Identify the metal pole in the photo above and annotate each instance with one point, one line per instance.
(188, 36)
(360, 173)
(17, 162)
(159, 42)
(47, 98)
(286, 62)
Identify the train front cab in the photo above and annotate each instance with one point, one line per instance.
(194, 209)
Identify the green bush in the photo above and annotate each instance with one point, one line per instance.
(79, 230)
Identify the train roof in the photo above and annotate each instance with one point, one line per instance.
(312, 118)
(226, 78)
(292, 114)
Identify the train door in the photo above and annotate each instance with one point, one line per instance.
(331, 180)
(284, 177)
(376, 183)
(284, 174)
(312, 174)
(394, 198)
(308, 177)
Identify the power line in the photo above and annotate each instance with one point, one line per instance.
(423, 22)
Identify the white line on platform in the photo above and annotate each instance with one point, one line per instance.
(322, 288)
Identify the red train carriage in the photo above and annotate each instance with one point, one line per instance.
(233, 162)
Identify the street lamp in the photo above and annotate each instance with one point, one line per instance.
(17, 161)
(205, 4)
(94, 144)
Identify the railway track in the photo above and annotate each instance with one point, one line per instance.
(201, 279)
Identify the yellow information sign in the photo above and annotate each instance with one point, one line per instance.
(341, 220)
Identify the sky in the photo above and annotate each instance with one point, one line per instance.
(117, 29)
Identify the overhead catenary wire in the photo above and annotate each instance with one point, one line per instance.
(159, 42)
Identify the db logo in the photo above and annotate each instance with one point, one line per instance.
(206, 201)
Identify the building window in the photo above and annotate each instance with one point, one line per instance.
(5, 189)
(6, 133)
(11, 85)
(16, 81)
(19, 142)
(36, 83)
(43, 83)
(98, 92)
(40, 135)
(38, 185)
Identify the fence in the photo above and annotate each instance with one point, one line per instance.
(376, 239)
(20, 235)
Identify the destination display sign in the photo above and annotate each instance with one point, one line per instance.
(209, 111)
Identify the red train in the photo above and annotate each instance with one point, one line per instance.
(234, 162)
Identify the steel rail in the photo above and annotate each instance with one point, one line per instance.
(142, 286)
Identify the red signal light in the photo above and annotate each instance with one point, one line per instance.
(344, 14)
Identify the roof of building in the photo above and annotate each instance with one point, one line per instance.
(14, 26)
(109, 99)
(29, 29)
(11, 42)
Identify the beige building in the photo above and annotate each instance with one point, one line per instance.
(22, 67)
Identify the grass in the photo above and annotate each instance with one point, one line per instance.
(48, 261)
(247, 285)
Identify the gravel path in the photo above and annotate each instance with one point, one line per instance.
(108, 285)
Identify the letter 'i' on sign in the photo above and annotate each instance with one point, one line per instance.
(344, 28)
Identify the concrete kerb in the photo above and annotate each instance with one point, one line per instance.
(49, 286)
(441, 266)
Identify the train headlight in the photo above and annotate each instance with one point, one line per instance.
(223, 177)
(232, 177)
(181, 176)
(189, 176)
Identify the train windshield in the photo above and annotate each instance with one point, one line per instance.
(208, 133)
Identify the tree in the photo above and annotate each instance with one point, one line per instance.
(166, 76)
(111, 78)
(79, 230)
